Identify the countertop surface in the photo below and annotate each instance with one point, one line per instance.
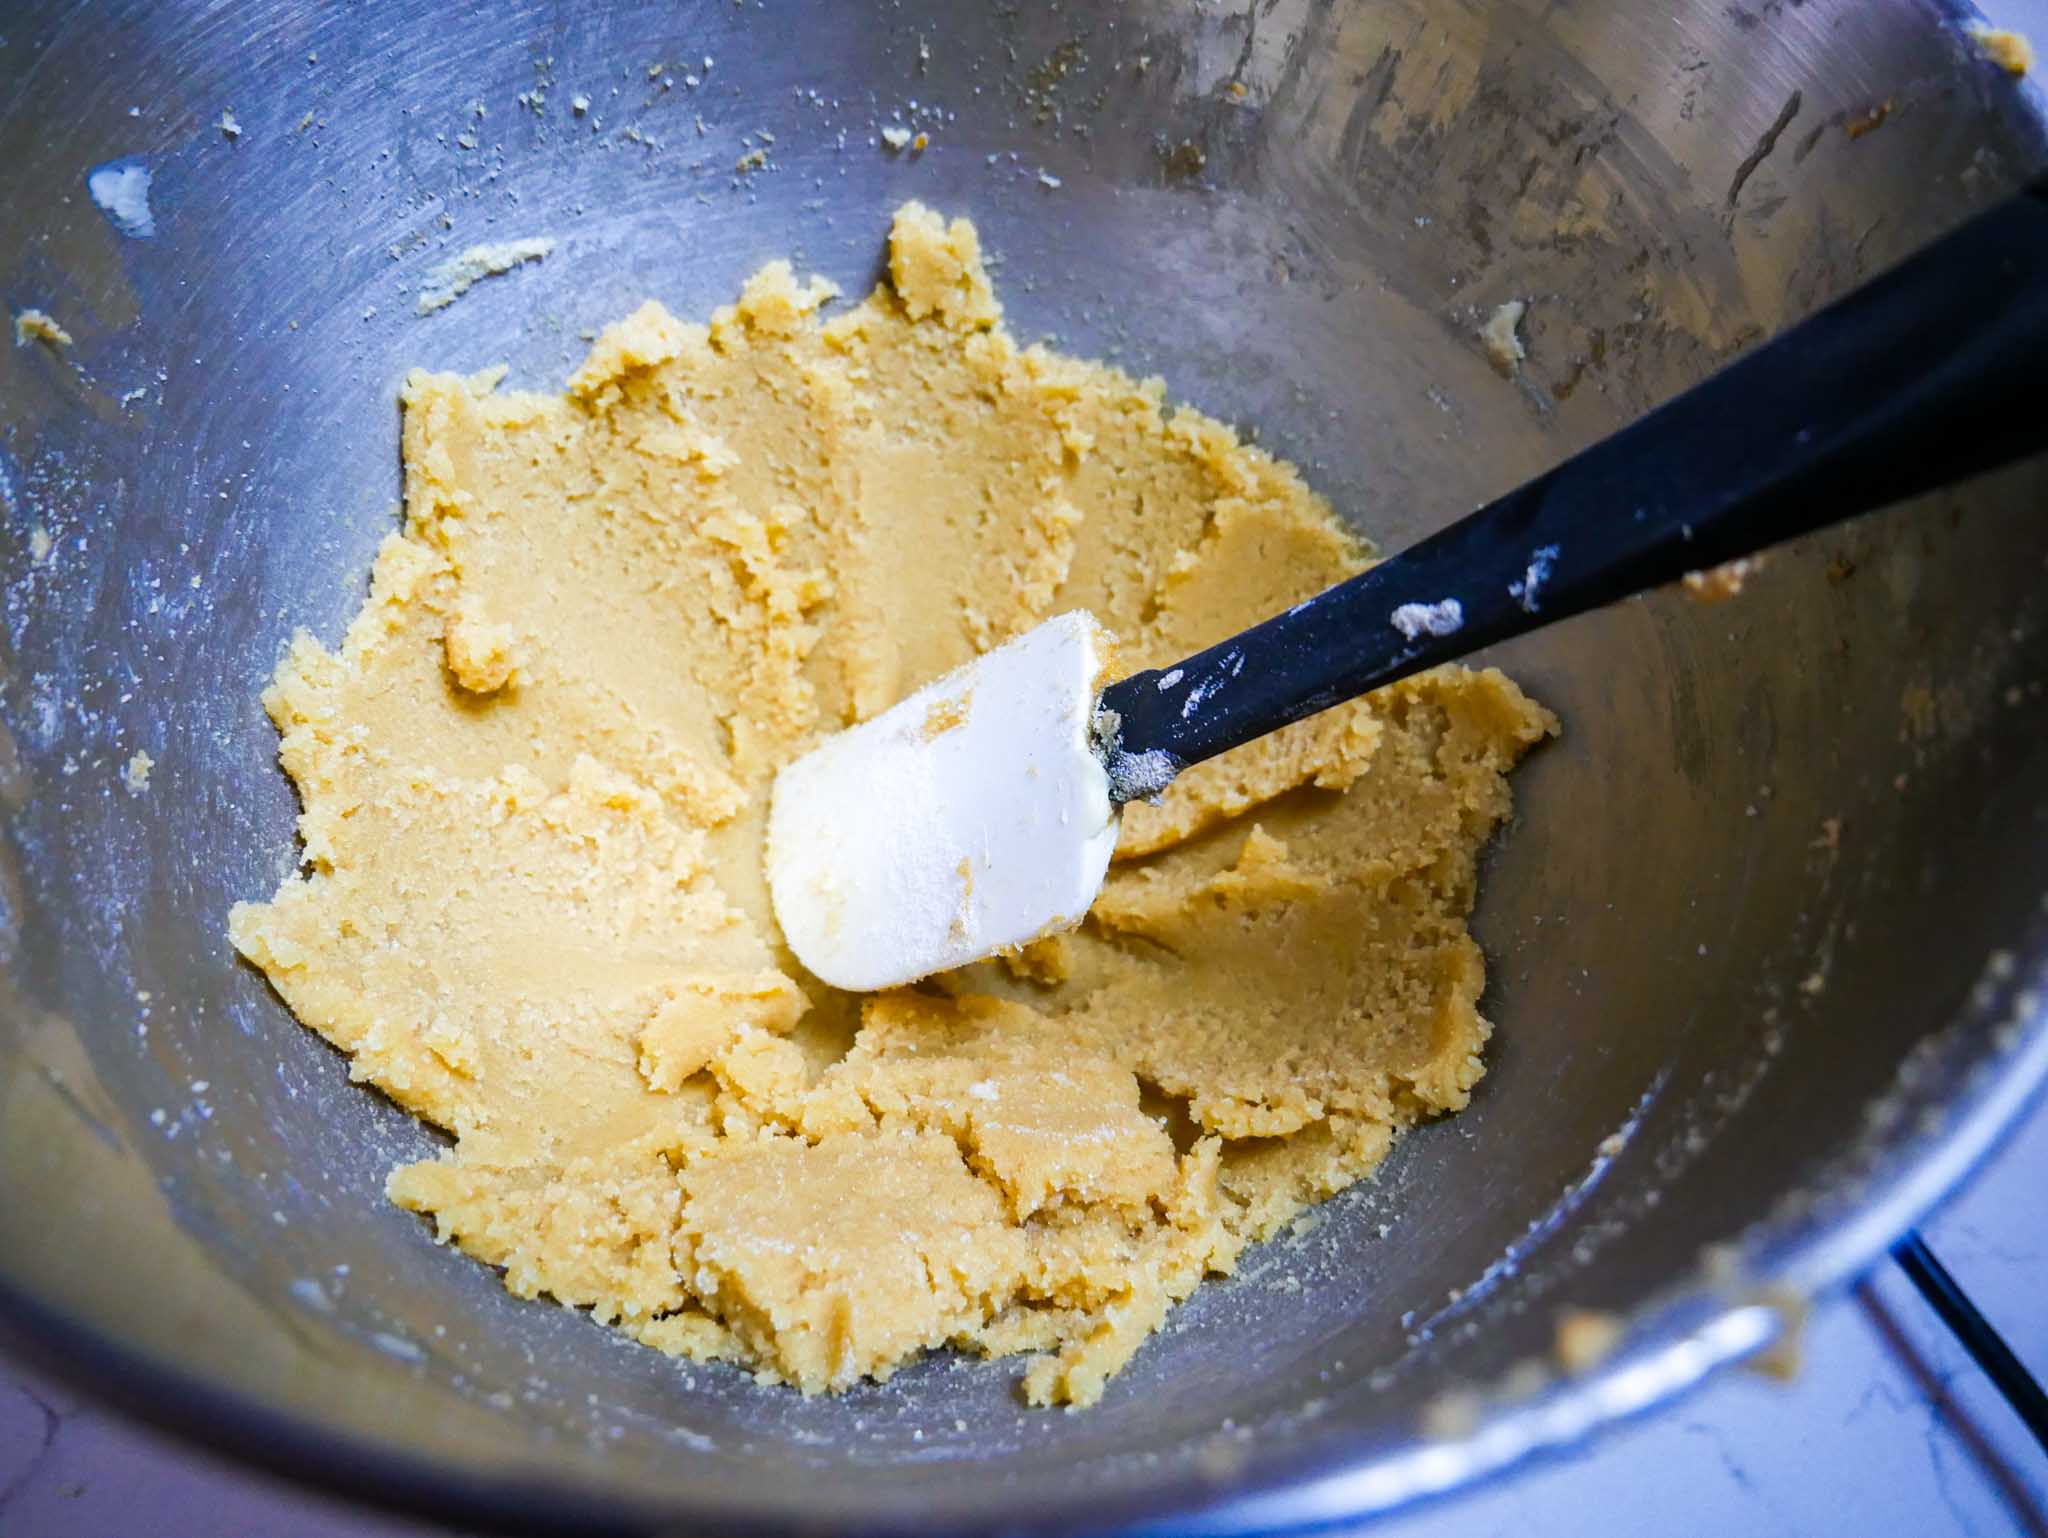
(1887, 1428)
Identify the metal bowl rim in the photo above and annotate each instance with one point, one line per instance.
(1715, 1331)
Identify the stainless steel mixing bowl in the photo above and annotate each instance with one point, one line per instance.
(1767, 935)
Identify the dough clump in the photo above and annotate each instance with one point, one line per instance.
(535, 776)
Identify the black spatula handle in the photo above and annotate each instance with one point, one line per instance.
(1935, 371)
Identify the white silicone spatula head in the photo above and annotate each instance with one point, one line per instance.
(971, 817)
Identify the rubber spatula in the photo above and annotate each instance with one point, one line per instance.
(980, 812)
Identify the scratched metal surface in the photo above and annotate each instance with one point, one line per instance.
(1784, 1037)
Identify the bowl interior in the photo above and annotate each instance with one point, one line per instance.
(1764, 920)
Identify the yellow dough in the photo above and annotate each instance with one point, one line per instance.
(535, 778)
